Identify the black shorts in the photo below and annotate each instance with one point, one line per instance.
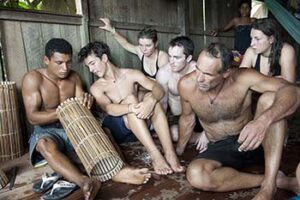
(226, 152)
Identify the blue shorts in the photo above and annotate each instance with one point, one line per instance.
(226, 152)
(118, 129)
(54, 131)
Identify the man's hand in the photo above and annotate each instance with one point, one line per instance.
(107, 25)
(144, 109)
(201, 142)
(252, 135)
(213, 33)
(86, 100)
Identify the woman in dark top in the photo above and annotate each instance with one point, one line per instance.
(242, 27)
(151, 57)
(268, 54)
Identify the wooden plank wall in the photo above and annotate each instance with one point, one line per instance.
(24, 41)
(168, 17)
(24, 38)
(129, 17)
(217, 14)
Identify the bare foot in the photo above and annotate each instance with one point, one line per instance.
(132, 175)
(265, 193)
(90, 188)
(159, 163)
(174, 163)
(287, 183)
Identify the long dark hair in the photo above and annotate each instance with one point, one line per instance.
(271, 28)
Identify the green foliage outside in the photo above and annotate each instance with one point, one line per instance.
(21, 4)
(55, 6)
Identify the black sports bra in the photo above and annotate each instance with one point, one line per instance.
(274, 71)
(146, 73)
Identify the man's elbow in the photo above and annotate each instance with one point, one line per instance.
(33, 121)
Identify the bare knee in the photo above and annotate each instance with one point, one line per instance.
(265, 101)
(47, 147)
(199, 175)
(131, 99)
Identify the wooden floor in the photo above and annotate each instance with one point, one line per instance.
(158, 188)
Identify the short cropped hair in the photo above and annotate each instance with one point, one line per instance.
(58, 45)
(185, 42)
(219, 50)
(98, 48)
(148, 33)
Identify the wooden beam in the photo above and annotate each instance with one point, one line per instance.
(136, 26)
(198, 31)
(35, 16)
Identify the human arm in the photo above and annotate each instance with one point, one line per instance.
(162, 78)
(288, 63)
(187, 119)
(32, 99)
(298, 173)
(226, 28)
(145, 108)
(113, 109)
(86, 99)
(247, 58)
(285, 102)
(119, 38)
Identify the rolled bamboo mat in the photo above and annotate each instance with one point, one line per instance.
(10, 127)
(3, 179)
(90, 142)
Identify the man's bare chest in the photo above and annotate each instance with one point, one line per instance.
(118, 91)
(54, 94)
(172, 85)
(227, 106)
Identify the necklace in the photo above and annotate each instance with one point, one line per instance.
(212, 100)
(49, 79)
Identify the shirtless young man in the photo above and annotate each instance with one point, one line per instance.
(180, 51)
(43, 90)
(115, 92)
(221, 98)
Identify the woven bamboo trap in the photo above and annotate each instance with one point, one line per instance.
(10, 128)
(91, 144)
(3, 179)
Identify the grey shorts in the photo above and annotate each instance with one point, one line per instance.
(54, 131)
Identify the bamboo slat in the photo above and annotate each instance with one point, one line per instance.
(3, 179)
(91, 144)
(10, 127)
